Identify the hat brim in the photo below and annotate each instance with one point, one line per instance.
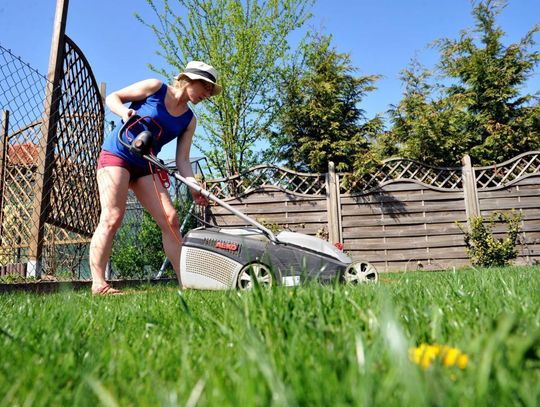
(195, 77)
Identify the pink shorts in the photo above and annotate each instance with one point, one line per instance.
(107, 159)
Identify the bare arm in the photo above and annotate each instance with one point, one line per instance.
(137, 91)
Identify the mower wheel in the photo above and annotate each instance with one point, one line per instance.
(254, 271)
(360, 272)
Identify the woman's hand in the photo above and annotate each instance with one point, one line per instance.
(128, 113)
(199, 199)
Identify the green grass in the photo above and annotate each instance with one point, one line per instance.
(305, 346)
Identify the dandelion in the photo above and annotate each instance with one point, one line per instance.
(425, 354)
(453, 356)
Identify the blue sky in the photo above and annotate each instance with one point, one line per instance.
(381, 35)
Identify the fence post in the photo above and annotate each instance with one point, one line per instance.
(103, 92)
(45, 162)
(333, 204)
(108, 271)
(472, 205)
(4, 143)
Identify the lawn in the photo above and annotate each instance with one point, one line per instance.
(304, 346)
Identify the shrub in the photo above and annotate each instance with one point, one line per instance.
(126, 259)
(483, 248)
(271, 226)
(138, 250)
(151, 245)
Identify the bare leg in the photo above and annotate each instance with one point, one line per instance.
(113, 184)
(165, 216)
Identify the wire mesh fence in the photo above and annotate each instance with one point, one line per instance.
(50, 138)
(22, 94)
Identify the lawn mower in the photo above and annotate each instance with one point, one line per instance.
(217, 258)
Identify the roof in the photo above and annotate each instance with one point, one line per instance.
(23, 154)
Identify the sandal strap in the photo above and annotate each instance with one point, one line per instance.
(106, 289)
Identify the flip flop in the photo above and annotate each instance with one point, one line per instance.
(107, 290)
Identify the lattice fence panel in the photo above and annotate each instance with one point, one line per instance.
(268, 176)
(395, 169)
(74, 198)
(508, 172)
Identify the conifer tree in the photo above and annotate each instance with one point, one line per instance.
(320, 118)
(478, 109)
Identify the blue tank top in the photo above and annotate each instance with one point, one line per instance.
(153, 106)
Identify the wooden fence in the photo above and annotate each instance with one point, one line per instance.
(402, 217)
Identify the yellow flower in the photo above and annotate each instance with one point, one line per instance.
(449, 356)
(425, 354)
(462, 361)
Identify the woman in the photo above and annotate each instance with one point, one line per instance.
(119, 169)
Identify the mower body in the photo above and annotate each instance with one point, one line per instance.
(222, 258)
